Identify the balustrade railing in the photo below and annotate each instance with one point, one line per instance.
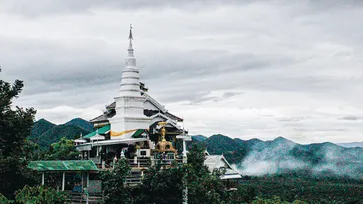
(147, 162)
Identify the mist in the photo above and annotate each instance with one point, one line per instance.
(321, 160)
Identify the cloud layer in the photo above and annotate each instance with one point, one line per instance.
(251, 69)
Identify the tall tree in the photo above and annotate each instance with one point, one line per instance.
(203, 187)
(164, 184)
(113, 183)
(62, 150)
(15, 126)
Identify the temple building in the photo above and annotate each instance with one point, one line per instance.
(135, 126)
(138, 128)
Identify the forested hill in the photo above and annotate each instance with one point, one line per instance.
(44, 133)
(257, 157)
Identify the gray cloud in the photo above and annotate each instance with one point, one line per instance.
(298, 64)
(351, 117)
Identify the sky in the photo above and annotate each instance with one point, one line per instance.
(245, 69)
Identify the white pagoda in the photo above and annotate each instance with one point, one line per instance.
(134, 126)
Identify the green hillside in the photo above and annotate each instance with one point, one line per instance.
(40, 127)
(199, 138)
(79, 122)
(44, 133)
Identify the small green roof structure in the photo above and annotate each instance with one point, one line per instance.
(103, 130)
(68, 165)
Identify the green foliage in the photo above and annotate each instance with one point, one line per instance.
(218, 144)
(275, 200)
(62, 150)
(4, 200)
(39, 128)
(46, 134)
(203, 187)
(15, 126)
(234, 150)
(196, 156)
(113, 183)
(307, 188)
(32, 151)
(166, 184)
(79, 122)
(39, 195)
(161, 185)
(243, 194)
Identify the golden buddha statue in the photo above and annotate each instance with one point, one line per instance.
(163, 145)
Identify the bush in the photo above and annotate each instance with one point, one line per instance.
(39, 195)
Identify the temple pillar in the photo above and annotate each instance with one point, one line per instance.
(87, 180)
(184, 148)
(82, 175)
(63, 180)
(43, 179)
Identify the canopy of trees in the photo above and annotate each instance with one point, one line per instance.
(15, 126)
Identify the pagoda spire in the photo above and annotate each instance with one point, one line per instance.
(130, 37)
(130, 84)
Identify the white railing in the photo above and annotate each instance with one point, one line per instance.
(147, 162)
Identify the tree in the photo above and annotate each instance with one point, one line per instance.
(243, 194)
(113, 183)
(162, 185)
(62, 150)
(32, 151)
(196, 157)
(39, 195)
(15, 126)
(203, 187)
(275, 200)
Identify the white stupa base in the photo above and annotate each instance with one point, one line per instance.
(126, 126)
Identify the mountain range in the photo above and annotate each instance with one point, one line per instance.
(351, 144)
(257, 157)
(250, 157)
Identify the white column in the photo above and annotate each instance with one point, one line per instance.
(185, 160)
(184, 148)
(82, 175)
(63, 180)
(43, 179)
(87, 180)
(87, 199)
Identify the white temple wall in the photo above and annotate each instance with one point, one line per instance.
(119, 125)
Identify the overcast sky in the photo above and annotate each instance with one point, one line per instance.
(244, 69)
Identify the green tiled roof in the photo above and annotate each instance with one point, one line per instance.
(138, 133)
(70, 165)
(101, 131)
